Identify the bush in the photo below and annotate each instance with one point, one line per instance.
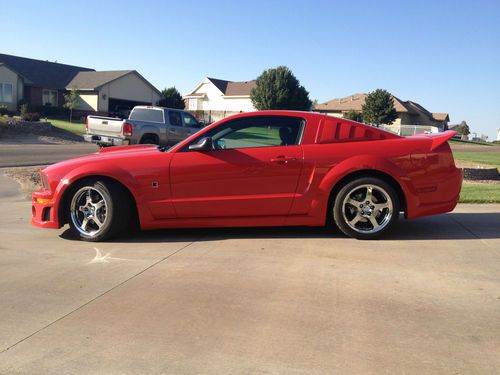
(23, 109)
(50, 111)
(354, 116)
(4, 110)
(20, 103)
(30, 116)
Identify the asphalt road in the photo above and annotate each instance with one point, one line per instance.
(246, 301)
(27, 154)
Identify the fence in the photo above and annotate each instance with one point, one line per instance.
(407, 130)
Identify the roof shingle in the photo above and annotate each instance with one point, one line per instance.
(355, 103)
(42, 73)
(230, 88)
(93, 80)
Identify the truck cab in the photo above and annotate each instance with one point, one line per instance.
(145, 124)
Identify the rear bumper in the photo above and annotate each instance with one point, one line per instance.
(443, 199)
(105, 141)
(44, 210)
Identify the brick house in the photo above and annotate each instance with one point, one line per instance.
(43, 83)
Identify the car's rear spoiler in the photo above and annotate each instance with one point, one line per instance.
(438, 139)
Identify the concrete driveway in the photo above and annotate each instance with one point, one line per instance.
(247, 301)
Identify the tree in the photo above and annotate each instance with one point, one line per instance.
(278, 88)
(171, 98)
(379, 108)
(71, 101)
(354, 116)
(463, 128)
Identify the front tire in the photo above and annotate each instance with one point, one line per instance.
(98, 210)
(366, 208)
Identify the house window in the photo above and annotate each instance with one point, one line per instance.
(193, 104)
(6, 92)
(50, 97)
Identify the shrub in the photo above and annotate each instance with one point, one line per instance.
(4, 110)
(20, 103)
(23, 109)
(30, 116)
(50, 111)
(354, 116)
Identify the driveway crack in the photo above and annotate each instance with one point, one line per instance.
(100, 295)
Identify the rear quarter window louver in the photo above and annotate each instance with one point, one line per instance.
(331, 131)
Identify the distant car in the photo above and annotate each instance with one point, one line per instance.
(269, 168)
(145, 124)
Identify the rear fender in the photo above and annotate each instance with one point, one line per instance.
(148, 129)
(366, 163)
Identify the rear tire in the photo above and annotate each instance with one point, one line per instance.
(98, 210)
(366, 208)
(149, 140)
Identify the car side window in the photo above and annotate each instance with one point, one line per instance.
(174, 118)
(257, 131)
(189, 120)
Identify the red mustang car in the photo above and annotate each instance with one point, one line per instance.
(269, 168)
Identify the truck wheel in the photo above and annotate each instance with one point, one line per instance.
(99, 210)
(366, 208)
(149, 140)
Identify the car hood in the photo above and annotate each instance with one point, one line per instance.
(104, 155)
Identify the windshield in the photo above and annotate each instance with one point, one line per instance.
(147, 114)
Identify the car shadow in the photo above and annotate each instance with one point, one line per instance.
(451, 226)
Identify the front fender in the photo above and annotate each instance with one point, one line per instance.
(93, 170)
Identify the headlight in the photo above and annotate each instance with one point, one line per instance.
(45, 182)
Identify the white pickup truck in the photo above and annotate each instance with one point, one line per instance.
(146, 124)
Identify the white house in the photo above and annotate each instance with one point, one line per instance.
(214, 99)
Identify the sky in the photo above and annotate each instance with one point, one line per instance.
(444, 55)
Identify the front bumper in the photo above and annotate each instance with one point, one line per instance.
(44, 210)
(105, 141)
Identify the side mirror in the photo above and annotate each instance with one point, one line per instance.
(201, 124)
(204, 144)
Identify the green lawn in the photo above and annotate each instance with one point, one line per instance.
(480, 193)
(491, 158)
(461, 142)
(74, 127)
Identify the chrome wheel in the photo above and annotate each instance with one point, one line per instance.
(89, 211)
(367, 208)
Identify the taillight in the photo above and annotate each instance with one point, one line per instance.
(127, 129)
(87, 124)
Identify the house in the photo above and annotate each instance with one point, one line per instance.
(409, 112)
(35, 81)
(42, 84)
(214, 99)
(498, 135)
(113, 91)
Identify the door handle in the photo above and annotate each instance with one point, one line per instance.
(283, 159)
